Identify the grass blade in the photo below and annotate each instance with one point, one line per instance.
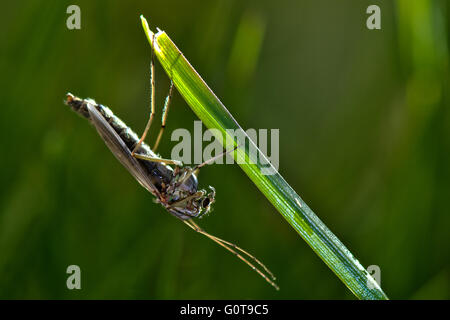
(214, 115)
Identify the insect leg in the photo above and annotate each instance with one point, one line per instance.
(153, 159)
(230, 247)
(183, 202)
(196, 169)
(164, 116)
(241, 250)
(152, 101)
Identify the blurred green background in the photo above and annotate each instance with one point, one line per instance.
(364, 138)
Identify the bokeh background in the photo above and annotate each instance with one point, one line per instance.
(364, 138)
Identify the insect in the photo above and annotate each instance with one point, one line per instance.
(176, 189)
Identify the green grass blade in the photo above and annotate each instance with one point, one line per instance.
(214, 115)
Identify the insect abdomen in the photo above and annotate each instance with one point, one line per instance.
(159, 172)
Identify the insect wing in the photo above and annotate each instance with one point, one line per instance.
(119, 149)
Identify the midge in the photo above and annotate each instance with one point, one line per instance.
(176, 189)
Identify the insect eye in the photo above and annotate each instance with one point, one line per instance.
(206, 202)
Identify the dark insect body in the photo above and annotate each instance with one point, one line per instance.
(176, 189)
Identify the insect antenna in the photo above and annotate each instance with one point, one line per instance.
(230, 247)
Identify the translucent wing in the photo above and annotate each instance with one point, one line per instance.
(120, 150)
